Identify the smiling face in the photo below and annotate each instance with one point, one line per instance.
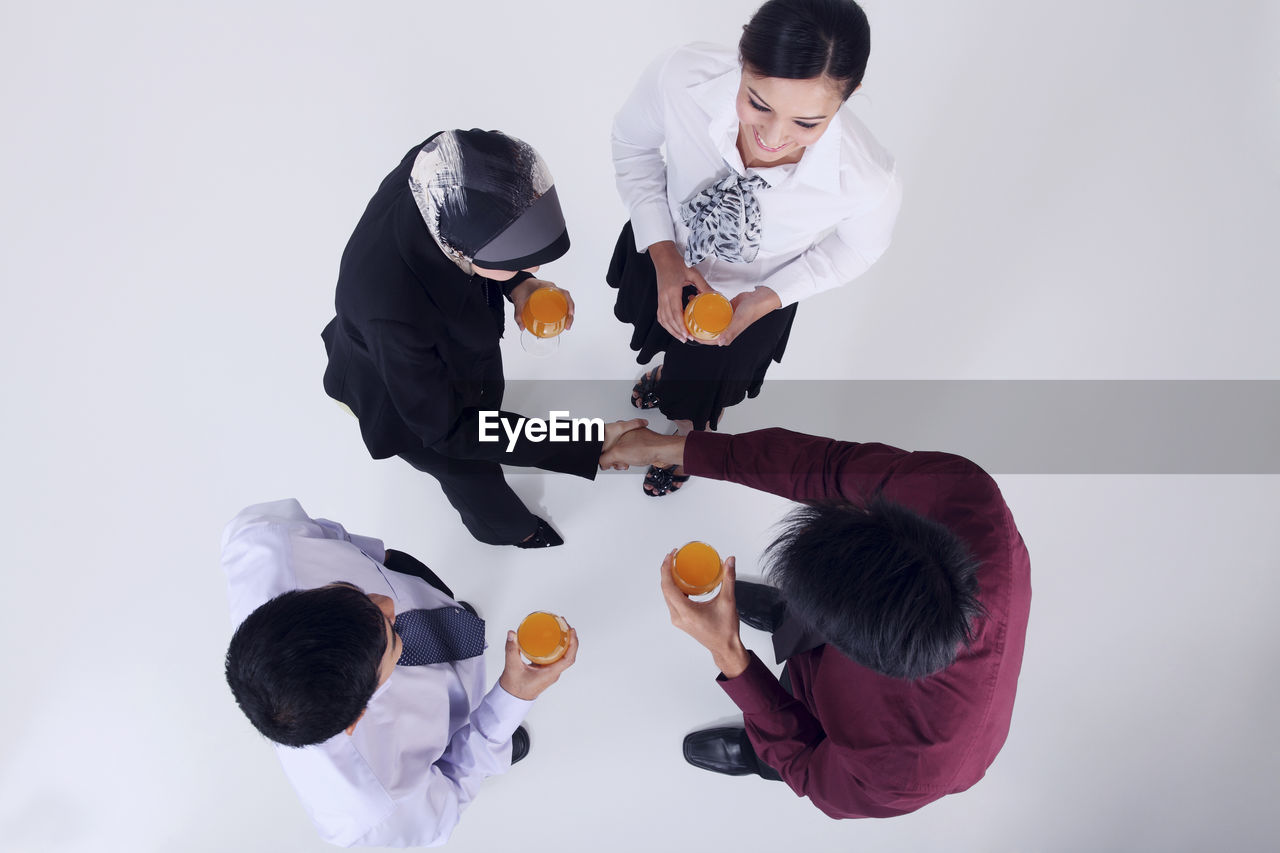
(778, 118)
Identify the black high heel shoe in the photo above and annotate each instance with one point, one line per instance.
(543, 537)
(659, 481)
(644, 394)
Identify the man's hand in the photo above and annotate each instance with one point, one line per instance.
(528, 680)
(520, 295)
(747, 308)
(613, 434)
(714, 623)
(642, 447)
(672, 276)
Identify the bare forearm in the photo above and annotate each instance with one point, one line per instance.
(733, 659)
(669, 451)
(664, 254)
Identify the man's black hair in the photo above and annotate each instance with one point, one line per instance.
(804, 39)
(303, 666)
(891, 589)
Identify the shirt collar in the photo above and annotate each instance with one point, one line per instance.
(820, 165)
(716, 97)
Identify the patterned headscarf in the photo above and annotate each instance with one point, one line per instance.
(488, 198)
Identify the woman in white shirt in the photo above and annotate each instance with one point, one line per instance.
(771, 191)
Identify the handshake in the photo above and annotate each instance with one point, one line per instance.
(628, 443)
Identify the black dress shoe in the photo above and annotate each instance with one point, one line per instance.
(543, 537)
(759, 605)
(519, 744)
(726, 750)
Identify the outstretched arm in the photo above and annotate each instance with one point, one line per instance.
(478, 750)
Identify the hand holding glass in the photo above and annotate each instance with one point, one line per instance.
(544, 316)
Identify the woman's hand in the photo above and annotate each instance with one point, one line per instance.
(612, 433)
(520, 295)
(673, 275)
(747, 308)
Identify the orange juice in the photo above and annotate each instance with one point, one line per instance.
(543, 637)
(545, 312)
(696, 569)
(707, 315)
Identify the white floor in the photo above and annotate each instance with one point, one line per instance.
(1092, 191)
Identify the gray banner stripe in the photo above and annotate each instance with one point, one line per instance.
(1008, 427)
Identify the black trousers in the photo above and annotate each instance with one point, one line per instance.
(479, 492)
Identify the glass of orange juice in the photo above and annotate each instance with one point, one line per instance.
(697, 571)
(543, 637)
(545, 313)
(707, 315)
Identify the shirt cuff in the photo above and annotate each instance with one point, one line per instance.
(756, 690)
(499, 714)
(706, 454)
(651, 224)
(794, 282)
(582, 459)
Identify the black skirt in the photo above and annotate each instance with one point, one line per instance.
(697, 381)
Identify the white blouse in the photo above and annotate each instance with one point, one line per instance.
(824, 220)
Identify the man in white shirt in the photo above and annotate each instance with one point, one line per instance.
(383, 747)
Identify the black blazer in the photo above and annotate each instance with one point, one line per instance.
(413, 350)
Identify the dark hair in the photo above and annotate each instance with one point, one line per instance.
(804, 39)
(892, 590)
(303, 666)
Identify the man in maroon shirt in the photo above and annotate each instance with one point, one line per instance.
(903, 589)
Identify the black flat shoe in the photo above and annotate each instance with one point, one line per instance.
(543, 537)
(519, 744)
(726, 750)
(759, 605)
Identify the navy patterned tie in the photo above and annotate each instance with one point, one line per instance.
(439, 635)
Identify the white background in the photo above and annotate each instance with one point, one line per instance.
(1092, 191)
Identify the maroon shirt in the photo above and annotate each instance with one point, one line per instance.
(857, 743)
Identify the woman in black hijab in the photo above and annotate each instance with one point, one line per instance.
(464, 220)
